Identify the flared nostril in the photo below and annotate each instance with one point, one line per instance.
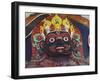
(59, 43)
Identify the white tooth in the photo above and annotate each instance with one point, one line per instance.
(59, 47)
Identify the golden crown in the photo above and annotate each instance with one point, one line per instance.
(57, 24)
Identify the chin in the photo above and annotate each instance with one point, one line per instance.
(58, 52)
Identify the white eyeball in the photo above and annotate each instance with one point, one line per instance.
(52, 40)
(65, 38)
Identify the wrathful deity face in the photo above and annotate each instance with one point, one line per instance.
(58, 43)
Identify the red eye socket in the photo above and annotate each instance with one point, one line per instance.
(52, 40)
(65, 38)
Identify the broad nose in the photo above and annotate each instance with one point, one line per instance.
(59, 41)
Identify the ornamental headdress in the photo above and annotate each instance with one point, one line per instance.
(57, 24)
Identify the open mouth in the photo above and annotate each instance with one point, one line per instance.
(60, 49)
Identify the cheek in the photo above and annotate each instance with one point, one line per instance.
(52, 48)
(67, 47)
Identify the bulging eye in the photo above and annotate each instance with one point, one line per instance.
(65, 38)
(52, 40)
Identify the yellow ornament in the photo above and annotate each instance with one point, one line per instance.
(72, 28)
(46, 24)
(66, 22)
(41, 29)
(57, 21)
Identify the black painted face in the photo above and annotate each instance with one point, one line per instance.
(58, 43)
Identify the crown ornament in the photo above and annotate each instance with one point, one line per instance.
(57, 24)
